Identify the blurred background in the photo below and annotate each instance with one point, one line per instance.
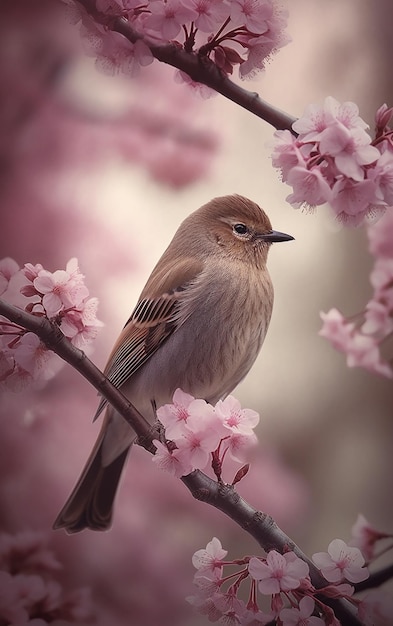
(104, 169)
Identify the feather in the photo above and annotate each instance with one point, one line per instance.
(151, 323)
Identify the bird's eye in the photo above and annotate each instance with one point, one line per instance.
(240, 229)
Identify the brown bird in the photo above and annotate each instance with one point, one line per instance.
(199, 324)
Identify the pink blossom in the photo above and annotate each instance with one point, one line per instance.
(205, 606)
(251, 617)
(31, 271)
(234, 418)
(32, 356)
(62, 288)
(316, 119)
(200, 437)
(253, 14)
(260, 48)
(382, 118)
(309, 187)
(209, 14)
(336, 329)
(337, 163)
(313, 122)
(380, 236)
(364, 536)
(279, 572)
(376, 608)
(353, 201)
(287, 153)
(240, 445)
(81, 325)
(209, 558)
(174, 416)
(208, 582)
(382, 175)
(302, 616)
(351, 149)
(27, 551)
(167, 17)
(8, 267)
(175, 462)
(378, 318)
(363, 351)
(12, 609)
(231, 607)
(381, 278)
(118, 55)
(341, 590)
(341, 562)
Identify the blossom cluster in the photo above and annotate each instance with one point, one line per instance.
(243, 33)
(200, 434)
(332, 159)
(61, 297)
(30, 593)
(280, 587)
(362, 337)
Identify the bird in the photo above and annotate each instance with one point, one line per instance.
(198, 325)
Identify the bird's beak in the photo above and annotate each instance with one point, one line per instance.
(275, 235)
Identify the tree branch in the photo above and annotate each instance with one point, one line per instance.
(200, 69)
(223, 497)
(51, 335)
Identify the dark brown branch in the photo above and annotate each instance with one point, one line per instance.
(51, 335)
(200, 69)
(264, 530)
(223, 497)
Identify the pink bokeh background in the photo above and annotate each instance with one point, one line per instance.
(105, 169)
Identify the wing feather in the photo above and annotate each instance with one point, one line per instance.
(153, 320)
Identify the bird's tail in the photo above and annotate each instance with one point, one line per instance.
(91, 501)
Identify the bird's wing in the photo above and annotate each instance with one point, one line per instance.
(153, 320)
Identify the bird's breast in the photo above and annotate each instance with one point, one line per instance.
(223, 319)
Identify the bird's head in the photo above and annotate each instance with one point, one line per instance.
(237, 227)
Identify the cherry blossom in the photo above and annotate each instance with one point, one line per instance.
(29, 592)
(309, 186)
(174, 416)
(200, 438)
(166, 18)
(234, 418)
(243, 33)
(341, 562)
(365, 536)
(200, 433)
(376, 608)
(337, 329)
(280, 572)
(209, 558)
(209, 15)
(380, 237)
(175, 462)
(334, 160)
(61, 289)
(62, 297)
(302, 616)
(8, 268)
(362, 337)
(253, 14)
(33, 357)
